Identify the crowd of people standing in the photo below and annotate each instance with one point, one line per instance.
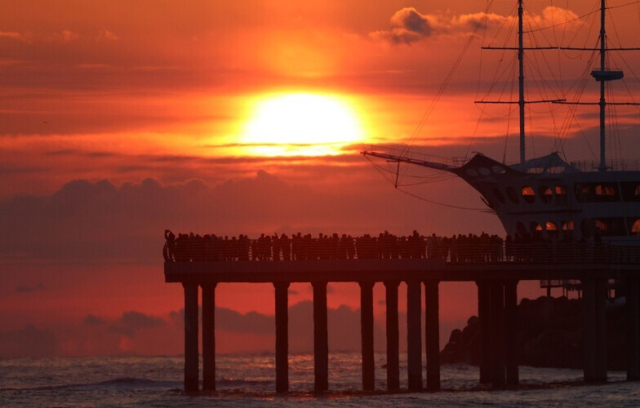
(281, 247)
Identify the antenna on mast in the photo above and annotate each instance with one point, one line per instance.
(603, 75)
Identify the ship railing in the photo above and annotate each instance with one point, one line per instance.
(456, 253)
(616, 165)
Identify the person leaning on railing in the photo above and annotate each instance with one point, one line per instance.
(169, 246)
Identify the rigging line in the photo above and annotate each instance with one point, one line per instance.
(565, 23)
(579, 30)
(444, 85)
(506, 136)
(457, 207)
(578, 87)
(631, 3)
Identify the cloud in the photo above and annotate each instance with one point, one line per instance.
(252, 322)
(28, 289)
(28, 342)
(131, 322)
(14, 35)
(407, 26)
(92, 320)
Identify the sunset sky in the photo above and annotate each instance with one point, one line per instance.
(119, 119)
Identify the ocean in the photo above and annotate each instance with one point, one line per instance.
(249, 381)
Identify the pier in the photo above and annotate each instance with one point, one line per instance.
(494, 268)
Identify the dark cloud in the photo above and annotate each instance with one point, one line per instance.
(132, 321)
(92, 320)
(252, 322)
(408, 26)
(87, 220)
(28, 289)
(28, 342)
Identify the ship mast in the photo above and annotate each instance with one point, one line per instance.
(521, 101)
(521, 95)
(603, 102)
(603, 75)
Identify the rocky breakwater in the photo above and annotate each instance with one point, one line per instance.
(549, 335)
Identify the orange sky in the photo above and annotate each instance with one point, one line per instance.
(119, 119)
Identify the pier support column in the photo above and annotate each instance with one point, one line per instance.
(432, 334)
(484, 314)
(633, 329)
(414, 335)
(595, 352)
(497, 346)
(320, 337)
(208, 337)
(366, 331)
(393, 336)
(511, 332)
(191, 369)
(282, 336)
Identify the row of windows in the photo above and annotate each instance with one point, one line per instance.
(584, 193)
(610, 226)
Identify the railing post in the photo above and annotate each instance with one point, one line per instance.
(432, 334)
(208, 337)
(282, 336)
(484, 315)
(320, 337)
(498, 373)
(414, 335)
(511, 331)
(595, 357)
(366, 330)
(191, 369)
(393, 336)
(633, 329)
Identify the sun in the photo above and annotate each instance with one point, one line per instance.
(301, 124)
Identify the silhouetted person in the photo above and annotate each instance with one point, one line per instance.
(169, 246)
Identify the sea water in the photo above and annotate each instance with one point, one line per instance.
(249, 380)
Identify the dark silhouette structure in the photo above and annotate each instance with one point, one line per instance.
(205, 261)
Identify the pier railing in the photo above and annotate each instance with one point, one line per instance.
(245, 249)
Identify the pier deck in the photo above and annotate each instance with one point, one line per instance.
(496, 275)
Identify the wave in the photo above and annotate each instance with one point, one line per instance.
(224, 382)
(120, 382)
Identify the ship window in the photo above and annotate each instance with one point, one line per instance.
(567, 226)
(498, 195)
(630, 191)
(513, 196)
(522, 231)
(583, 192)
(535, 170)
(552, 229)
(605, 190)
(528, 194)
(635, 228)
(546, 194)
(484, 171)
(471, 172)
(556, 170)
(536, 229)
(498, 170)
(596, 192)
(610, 226)
(561, 195)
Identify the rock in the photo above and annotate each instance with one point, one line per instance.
(549, 335)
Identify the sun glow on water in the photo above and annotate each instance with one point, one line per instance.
(301, 124)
